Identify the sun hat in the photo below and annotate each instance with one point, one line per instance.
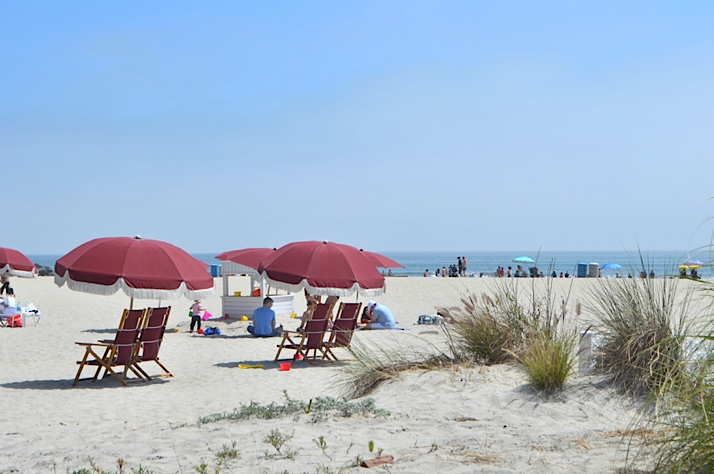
(371, 303)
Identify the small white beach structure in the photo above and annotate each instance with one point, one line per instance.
(235, 306)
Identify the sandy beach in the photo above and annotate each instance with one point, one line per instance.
(481, 419)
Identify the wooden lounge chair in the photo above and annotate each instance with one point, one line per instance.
(311, 336)
(343, 328)
(150, 340)
(119, 352)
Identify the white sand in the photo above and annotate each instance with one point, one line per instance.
(476, 420)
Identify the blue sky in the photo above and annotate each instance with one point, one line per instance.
(388, 125)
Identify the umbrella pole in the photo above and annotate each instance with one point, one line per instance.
(131, 304)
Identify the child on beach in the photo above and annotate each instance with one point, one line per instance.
(196, 310)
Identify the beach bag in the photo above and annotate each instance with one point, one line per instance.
(15, 321)
(206, 315)
(208, 331)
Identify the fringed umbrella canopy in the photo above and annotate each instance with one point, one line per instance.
(141, 268)
(247, 257)
(380, 260)
(15, 263)
(323, 268)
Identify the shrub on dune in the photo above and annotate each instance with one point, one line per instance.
(548, 359)
(640, 324)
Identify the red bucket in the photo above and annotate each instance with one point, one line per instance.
(284, 366)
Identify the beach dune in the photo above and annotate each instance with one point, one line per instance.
(480, 419)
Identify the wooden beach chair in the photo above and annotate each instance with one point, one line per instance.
(311, 336)
(119, 352)
(150, 340)
(343, 328)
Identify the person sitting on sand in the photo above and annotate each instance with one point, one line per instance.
(380, 317)
(264, 321)
(364, 319)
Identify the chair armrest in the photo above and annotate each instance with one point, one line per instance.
(103, 344)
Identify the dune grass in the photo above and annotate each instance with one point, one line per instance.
(548, 359)
(488, 330)
(681, 411)
(374, 365)
(640, 325)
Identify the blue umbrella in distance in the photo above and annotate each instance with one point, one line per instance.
(523, 260)
(692, 263)
(611, 266)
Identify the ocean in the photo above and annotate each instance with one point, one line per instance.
(662, 262)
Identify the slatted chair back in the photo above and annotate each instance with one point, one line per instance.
(153, 332)
(345, 324)
(315, 330)
(126, 337)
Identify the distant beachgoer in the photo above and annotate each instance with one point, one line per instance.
(567, 275)
(683, 272)
(196, 310)
(389, 273)
(460, 265)
(443, 272)
(554, 275)
(508, 273)
(426, 272)
(652, 274)
(466, 264)
(380, 317)
(561, 274)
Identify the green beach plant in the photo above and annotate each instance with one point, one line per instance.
(680, 413)
(319, 408)
(548, 359)
(489, 330)
(641, 323)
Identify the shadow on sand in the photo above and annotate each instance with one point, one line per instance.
(66, 384)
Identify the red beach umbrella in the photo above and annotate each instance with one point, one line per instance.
(16, 263)
(141, 268)
(247, 257)
(380, 260)
(323, 268)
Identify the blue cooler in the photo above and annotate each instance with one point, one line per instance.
(582, 270)
(215, 269)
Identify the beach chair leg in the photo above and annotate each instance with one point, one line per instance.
(144, 376)
(167, 372)
(81, 366)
